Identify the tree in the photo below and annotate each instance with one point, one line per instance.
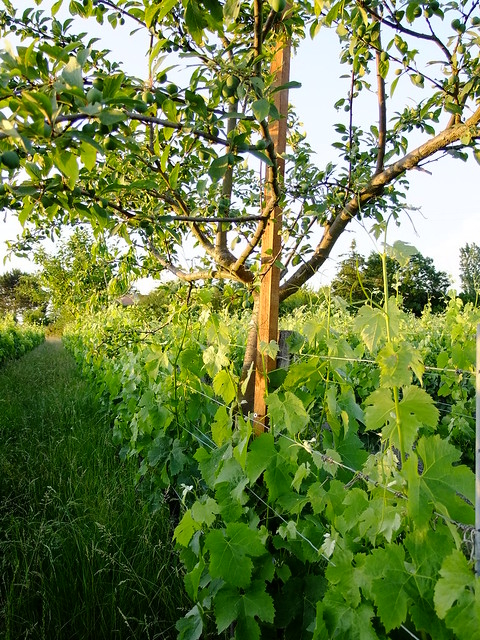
(346, 283)
(21, 294)
(415, 279)
(163, 163)
(470, 271)
(81, 274)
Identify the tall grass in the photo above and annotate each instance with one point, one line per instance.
(79, 555)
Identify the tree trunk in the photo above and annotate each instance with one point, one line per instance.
(247, 376)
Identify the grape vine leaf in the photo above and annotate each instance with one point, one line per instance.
(457, 597)
(221, 426)
(231, 604)
(287, 412)
(247, 629)
(415, 409)
(277, 477)
(231, 551)
(389, 585)
(191, 626)
(205, 510)
(441, 484)
(341, 573)
(261, 453)
(456, 576)
(396, 363)
(379, 519)
(223, 385)
(371, 325)
(344, 621)
(185, 529)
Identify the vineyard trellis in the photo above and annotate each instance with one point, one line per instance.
(285, 498)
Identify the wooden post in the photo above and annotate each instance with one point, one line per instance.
(271, 244)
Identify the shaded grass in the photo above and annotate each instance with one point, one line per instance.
(79, 555)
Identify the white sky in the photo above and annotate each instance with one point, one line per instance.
(449, 215)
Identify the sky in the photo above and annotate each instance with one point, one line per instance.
(448, 214)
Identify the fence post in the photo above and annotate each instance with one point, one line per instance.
(272, 243)
(477, 457)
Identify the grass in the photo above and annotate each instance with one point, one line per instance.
(79, 555)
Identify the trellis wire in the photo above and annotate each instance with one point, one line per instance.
(358, 475)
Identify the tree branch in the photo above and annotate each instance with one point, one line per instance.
(382, 114)
(373, 189)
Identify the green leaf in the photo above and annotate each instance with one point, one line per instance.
(343, 621)
(277, 478)
(218, 168)
(221, 426)
(293, 84)
(440, 484)
(383, 67)
(416, 408)
(457, 597)
(173, 177)
(224, 386)
(185, 529)
(286, 411)
(170, 110)
(26, 210)
(231, 10)
(262, 452)
(114, 116)
(191, 626)
(66, 162)
(389, 585)
(396, 362)
(262, 156)
(205, 510)
(401, 252)
(379, 519)
(341, 573)
(254, 602)
(231, 551)
(371, 324)
(195, 20)
(261, 109)
(72, 74)
(88, 155)
(247, 629)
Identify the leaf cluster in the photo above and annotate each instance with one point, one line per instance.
(346, 518)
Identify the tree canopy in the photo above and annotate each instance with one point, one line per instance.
(470, 271)
(80, 274)
(22, 294)
(188, 156)
(415, 279)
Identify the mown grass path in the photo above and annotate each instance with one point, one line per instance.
(79, 555)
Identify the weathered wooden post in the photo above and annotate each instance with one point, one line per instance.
(271, 242)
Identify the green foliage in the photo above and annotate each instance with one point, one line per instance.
(16, 340)
(157, 163)
(80, 274)
(470, 271)
(21, 293)
(416, 280)
(347, 518)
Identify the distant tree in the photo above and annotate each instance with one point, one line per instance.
(470, 271)
(81, 273)
(346, 283)
(22, 294)
(417, 281)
